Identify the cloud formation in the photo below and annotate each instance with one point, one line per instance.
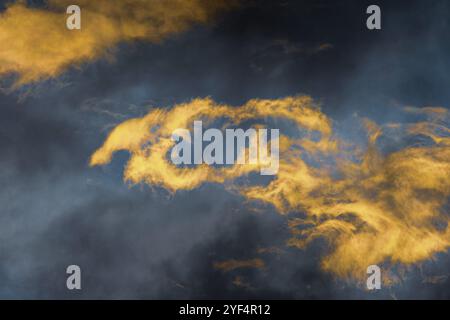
(149, 139)
(39, 46)
(371, 207)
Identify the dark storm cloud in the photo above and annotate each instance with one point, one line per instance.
(142, 243)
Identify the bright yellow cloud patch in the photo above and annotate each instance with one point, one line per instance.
(36, 45)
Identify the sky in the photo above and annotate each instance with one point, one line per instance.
(63, 92)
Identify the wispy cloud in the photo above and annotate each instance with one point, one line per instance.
(37, 45)
(371, 207)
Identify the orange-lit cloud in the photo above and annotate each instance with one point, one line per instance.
(230, 265)
(149, 139)
(37, 45)
(371, 207)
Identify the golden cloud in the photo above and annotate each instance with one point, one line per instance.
(149, 139)
(37, 45)
(233, 264)
(371, 207)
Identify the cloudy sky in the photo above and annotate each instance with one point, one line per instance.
(63, 92)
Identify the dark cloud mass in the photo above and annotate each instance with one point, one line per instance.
(143, 242)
